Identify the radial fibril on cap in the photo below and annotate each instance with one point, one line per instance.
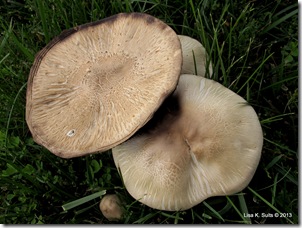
(95, 85)
(207, 142)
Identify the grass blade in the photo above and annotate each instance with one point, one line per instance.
(146, 218)
(244, 219)
(83, 200)
(43, 15)
(243, 206)
(256, 71)
(216, 213)
(279, 21)
(269, 204)
(280, 146)
(11, 111)
(273, 162)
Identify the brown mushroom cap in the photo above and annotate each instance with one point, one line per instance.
(111, 207)
(95, 85)
(206, 142)
(194, 57)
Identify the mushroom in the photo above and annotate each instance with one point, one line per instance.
(95, 85)
(194, 57)
(204, 141)
(111, 207)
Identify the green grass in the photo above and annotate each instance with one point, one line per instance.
(253, 46)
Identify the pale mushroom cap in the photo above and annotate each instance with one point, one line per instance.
(207, 143)
(194, 57)
(111, 207)
(95, 85)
